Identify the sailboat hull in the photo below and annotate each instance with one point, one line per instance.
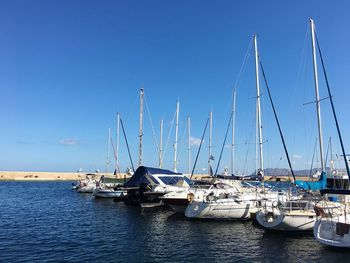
(108, 193)
(177, 204)
(86, 189)
(220, 210)
(331, 233)
(280, 221)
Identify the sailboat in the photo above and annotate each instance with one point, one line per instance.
(87, 185)
(108, 187)
(332, 227)
(297, 213)
(211, 186)
(237, 204)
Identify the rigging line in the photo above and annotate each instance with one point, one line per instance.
(223, 144)
(243, 66)
(115, 156)
(301, 66)
(127, 145)
(305, 64)
(333, 110)
(312, 134)
(167, 141)
(304, 68)
(114, 152)
(277, 121)
(307, 103)
(327, 152)
(132, 106)
(181, 142)
(312, 160)
(150, 120)
(248, 149)
(242, 69)
(199, 149)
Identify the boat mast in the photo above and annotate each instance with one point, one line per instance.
(176, 135)
(233, 133)
(141, 126)
(117, 143)
(261, 170)
(210, 141)
(330, 149)
(108, 149)
(161, 145)
(256, 140)
(318, 108)
(189, 143)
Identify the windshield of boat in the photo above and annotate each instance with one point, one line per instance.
(171, 179)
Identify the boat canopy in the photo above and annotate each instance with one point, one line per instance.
(139, 177)
(313, 186)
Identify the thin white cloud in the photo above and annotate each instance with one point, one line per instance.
(22, 142)
(195, 141)
(297, 156)
(69, 141)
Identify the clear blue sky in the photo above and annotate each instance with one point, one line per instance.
(67, 67)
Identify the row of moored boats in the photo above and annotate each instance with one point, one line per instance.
(280, 206)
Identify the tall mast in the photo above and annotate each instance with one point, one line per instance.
(331, 150)
(233, 133)
(210, 140)
(108, 149)
(256, 139)
(318, 108)
(117, 144)
(258, 106)
(161, 145)
(176, 135)
(189, 143)
(141, 126)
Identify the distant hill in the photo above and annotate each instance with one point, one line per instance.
(286, 172)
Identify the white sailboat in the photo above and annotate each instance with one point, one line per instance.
(239, 204)
(332, 227)
(104, 189)
(180, 199)
(297, 214)
(108, 190)
(87, 185)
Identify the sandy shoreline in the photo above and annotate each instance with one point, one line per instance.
(47, 176)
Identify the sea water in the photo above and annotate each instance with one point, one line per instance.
(49, 222)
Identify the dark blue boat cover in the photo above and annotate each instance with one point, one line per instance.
(139, 178)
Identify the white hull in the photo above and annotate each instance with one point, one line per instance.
(87, 185)
(107, 193)
(325, 232)
(86, 189)
(223, 209)
(281, 221)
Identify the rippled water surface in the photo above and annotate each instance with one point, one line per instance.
(48, 222)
